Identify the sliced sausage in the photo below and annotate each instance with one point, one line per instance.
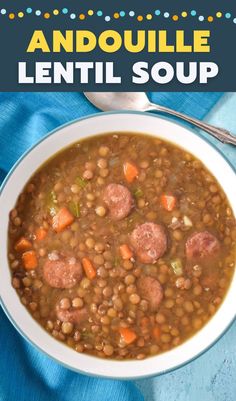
(149, 241)
(201, 245)
(75, 316)
(62, 272)
(151, 290)
(118, 200)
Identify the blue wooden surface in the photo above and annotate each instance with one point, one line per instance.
(211, 377)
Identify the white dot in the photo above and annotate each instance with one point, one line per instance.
(107, 18)
(131, 13)
(3, 11)
(72, 16)
(166, 15)
(37, 12)
(234, 20)
(201, 18)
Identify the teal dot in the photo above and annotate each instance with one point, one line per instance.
(38, 13)
(29, 10)
(131, 13)
(193, 13)
(99, 13)
(166, 15)
(157, 12)
(201, 18)
(122, 13)
(65, 11)
(227, 15)
(3, 11)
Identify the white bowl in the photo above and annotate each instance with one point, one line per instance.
(13, 185)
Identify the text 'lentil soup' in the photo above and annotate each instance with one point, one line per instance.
(122, 246)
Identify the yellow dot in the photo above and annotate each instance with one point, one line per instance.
(175, 17)
(11, 15)
(46, 15)
(116, 15)
(20, 14)
(90, 12)
(210, 18)
(219, 14)
(55, 12)
(184, 14)
(140, 18)
(149, 16)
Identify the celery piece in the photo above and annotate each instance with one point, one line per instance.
(74, 208)
(82, 182)
(177, 267)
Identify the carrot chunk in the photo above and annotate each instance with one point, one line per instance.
(88, 268)
(29, 259)
(168, 202)
(156, 332)
(40, 234)
(125, 252)
(130, 171)
(127, 335)
(62, 220)
(23, 244)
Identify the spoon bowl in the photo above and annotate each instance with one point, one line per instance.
(111, 101)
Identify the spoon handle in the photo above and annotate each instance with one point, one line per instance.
(220, 133)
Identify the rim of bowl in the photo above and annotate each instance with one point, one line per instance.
(28, 339)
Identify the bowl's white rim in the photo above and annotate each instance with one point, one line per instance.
(133, 363)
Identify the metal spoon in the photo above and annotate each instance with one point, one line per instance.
(139, 101)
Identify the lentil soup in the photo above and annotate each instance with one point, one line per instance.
(122, 246)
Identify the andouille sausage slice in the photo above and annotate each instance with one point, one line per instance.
(149, 241)
(151, 290)
(119, 201)
(75, 316)
(62, 272)
(201, 245)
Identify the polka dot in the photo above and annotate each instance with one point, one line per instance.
(65, 11)
(116, 15)
(131, 13)
(219, 14)
(234, 20)
(166, 15)
(175, 17)
(90, 12)
(139, 18)
(37, 13)
(29, 10)
(21, 14)
(11, 16)
(3, 11)
(157, 12)
(193, 13)
(227, 15)
(99, 13)
(149, 16)
(122, 13)
(210, 18)
(72, 16)
(107, 18)
(184, 14)
(82, 17)
(55, 12)
(201, 18)
(46, 15)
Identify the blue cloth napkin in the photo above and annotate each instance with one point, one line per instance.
(25, 373)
